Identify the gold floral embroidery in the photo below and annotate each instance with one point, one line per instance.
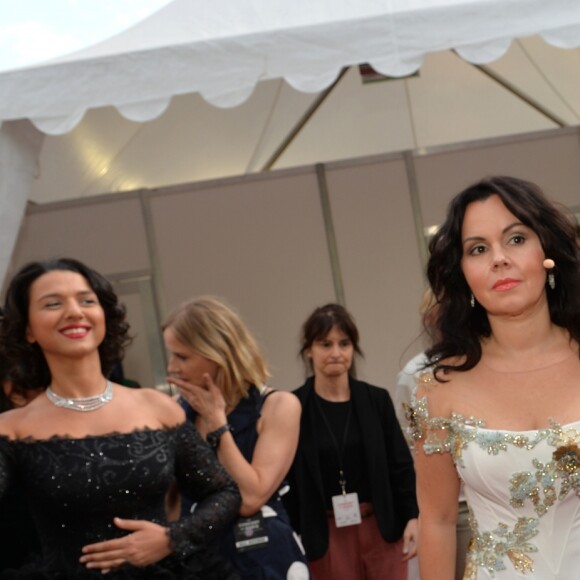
(539, 486)
(488, 549)
(453, 434)
(415, 428)
(520, 561)
(417, 414)
(567, 457)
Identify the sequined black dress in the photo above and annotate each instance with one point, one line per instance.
(77, 486)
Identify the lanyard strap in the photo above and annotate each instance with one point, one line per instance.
(339, 450)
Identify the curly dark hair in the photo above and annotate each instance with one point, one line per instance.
(461, 327)
(5, 403)
(27, 363)
(321, 322)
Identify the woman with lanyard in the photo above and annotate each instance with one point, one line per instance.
(352, 483)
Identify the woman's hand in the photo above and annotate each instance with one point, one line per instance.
(206, 399)
(410, 536)
(146, 544)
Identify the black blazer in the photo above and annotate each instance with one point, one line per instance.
(388, 461)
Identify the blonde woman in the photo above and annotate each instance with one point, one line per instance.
(221, 375)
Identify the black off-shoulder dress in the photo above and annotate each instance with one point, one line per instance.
(76, 486)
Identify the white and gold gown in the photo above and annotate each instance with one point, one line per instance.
(522, 488)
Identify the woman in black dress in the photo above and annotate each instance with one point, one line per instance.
(96, 459)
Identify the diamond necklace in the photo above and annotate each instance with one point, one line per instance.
(82, 403)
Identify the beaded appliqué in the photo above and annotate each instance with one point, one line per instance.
(453, 434)
(440, 434)
(489, 549)
(539, 486)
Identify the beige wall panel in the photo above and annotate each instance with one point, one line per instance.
(109, 235)
(259, 244)
(380, 263)
(137, 365)
(550, 159)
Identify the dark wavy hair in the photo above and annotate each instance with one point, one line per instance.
(27, 363)
(321, 322)
(5, 402)
(461, 327)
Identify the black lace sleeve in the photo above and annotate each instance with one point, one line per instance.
(6, 467)
(209, 485)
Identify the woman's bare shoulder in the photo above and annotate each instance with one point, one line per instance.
(159, 404)
(278, 398)
(18, 420)
(443, 388)
(281, 405)
(7, 423)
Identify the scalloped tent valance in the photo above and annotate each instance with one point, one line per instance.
(223, 49)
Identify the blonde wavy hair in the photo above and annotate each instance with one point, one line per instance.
(212, 329)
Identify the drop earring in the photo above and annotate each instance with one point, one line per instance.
(549, 264)
(472, 300)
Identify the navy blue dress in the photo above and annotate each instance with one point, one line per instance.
(282, 557)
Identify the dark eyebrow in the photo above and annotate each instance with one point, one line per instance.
(57, 295)
(504, 231)
(511, 226)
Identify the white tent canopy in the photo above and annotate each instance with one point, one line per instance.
(235, 53)
(223, 50)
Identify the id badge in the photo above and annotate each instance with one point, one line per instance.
(250, 533)
(346, 510)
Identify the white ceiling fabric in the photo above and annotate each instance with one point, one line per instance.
(221, 50)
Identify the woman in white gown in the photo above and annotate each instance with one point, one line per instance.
(499, 408)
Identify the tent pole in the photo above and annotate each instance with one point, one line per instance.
(157, 289)
(330, 235)
(20, 144)
(536, 105)
(154, 261)
(416, 208)
(301, 123)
